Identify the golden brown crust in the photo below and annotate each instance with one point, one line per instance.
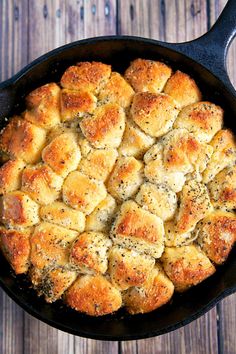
(155, 292)
(158, 199)
(186, 266)
(18, 210)
(76, 104)
(128, 268)
(223, 189)
(101, 217)
(183, 89)
(138, 229)
(50, 245)
(204, 119)
(15, 245)
(55, 283)
(105, 127)
(82, 192)
(98, 163)
(135, 142)
(126, 178)
(93, 295)
(194, 205)
(86, 76)
(62, 215)
(182, 152)
(154, 113)
(10, 175)
(117, 90)
(224, 154)
(176, 238)
(22, 140)
(41, 183)
(147, 75)
(62, 154)
(216, 235)
(43, 106)
(89, 252)
(156, 172)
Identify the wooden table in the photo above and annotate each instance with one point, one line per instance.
(29, 28)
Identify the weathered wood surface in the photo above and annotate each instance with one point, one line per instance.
(29, 28)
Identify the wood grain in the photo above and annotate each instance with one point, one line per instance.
(29, 28)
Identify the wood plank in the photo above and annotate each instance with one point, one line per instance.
(39, 337)
(227, 325)
(99, 18)
(71, 20)
(65, 343)
(11, 326)
(13, 37)
(13, 56)
(45, 26)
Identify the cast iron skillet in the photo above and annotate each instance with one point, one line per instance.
(204, 59)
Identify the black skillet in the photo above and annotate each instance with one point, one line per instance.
(204, 59)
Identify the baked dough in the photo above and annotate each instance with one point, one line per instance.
(216, 235)
(194, 205)
(105, 127)
(155, 292)
(135, 142)
(86, 76)
(139, 230)
(83, 193)
(15, 245)
(22, 140)
(117, 90)
(224, 154)
(129, 268)
(147, 75)
(93, 295)
(61, 214)
(98, 163)
(55, 282)
(175, 237)
(159, 199)
(126, 178)
(117, 189)
(50, 246)
(18, 210)
(203, 119)
(186, 266)
(101, 217)
(156, 172)
(223, 189)
(41, 183)
(43, 106)
(10, 175)
(62, 154)
(154, 113)
(89, 252)
(76, 104)
(183, 89)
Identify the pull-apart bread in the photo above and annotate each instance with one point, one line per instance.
(117, 190)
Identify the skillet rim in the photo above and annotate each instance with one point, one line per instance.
(78, 332)
(10, 83)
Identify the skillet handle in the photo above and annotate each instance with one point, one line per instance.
(211, 49)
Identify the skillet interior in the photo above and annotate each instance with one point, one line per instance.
(183, 308)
